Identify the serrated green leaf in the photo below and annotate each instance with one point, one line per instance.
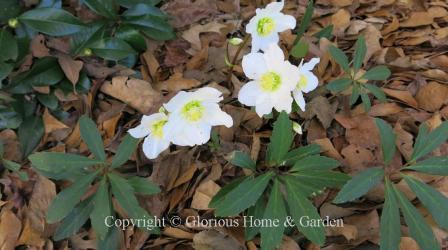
(55, 162)
(51, 21)
(30, 132)
(105, 8)
(71, 224)
(300, 206)
(8, 43)
(339, 56)
(360, 53)
(366, 102)
(275, 210)
(339, 85)
(92, 137)
(433, 165)
(131, 36)
(432, 199)
(241, 159)
(377, 92)
(322, 178)
(300, 49)
(219, 197)
(306, 20)
(281, 140)
(359, 185)
(326, 32)
(142, 9)
(101, 210)
(418, 228)
(428, 142)
(298, 153)
(307, 186)
(356, 92)
(377, 73)
(256, 211)
(48, 100)
(143, 185)
(314, 162)
(390, 233)
(151, 26)
(243, 196)
(387, 136)
(111, 241)
(124, 151)
(112, 49)
(66, 200)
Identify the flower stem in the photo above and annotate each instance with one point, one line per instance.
(235, 58)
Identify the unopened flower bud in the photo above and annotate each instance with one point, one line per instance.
(13, 23)
(87, 52)
(297, 128)
(235, 41)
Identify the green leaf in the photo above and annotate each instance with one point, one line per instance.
(112, 240)
(51, 21)
(359, 185)
(275, 210)
(294, 155)
(387, 136)
(360, 53)
(87, 36)
(326, 32)
(425, 143)
(55, 162)
(92, 137)
(377, 73)
(366, 102)
(9, 9)
(432, 199)
(307, 186)
(124, 151)
(306, 20)
(300, 206)
(142, 9)
(322, 178)
(13, 166)
(418, 228)
(9, 118)
(131, 3)
(377, 92)
(433, 165)
(339, 56)
(5, 70)
(143, 185)
(300, 49)
(101, 210)
(131, 36)
(390, 233)
(151, 26)
(105, 8)
(315, 162)
(356, 92)
(112, 49)
(8, 43)
(219, 197)
(256, 211)
(30, 132)
(243, 196)
(242, 160)
(281, 139)
(66, 200)
(71, 224)
(339, 85)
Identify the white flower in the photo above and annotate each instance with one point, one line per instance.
(192, 115)
(273, 79)
(151, 127)
(266, 24)
(307, 81)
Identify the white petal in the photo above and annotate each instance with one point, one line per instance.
(311, 64)
(298, 96)
(284, 103)
(284, 22)
(249, 93)
(312, 82)
(217, 117)
(208, 94)
(254, 65)
(275, 6)
(264, 106)
(263, 42)
(192, 135)
(274, 54)
(251, 27)
(178, 101)
(140, 131)
(152, 147)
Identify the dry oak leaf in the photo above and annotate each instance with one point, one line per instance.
(402, 95)
(212, 239)
(204, 194)
(70, 67)
(340, 21)
(38, 48)
(51, 123)
(424, 18)
(432, 96)
(403, 141)
(385, 109)
(192, 34)
(177, 82)
(10, 227)
(135, 92)
(407, 243)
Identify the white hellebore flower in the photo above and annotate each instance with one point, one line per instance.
(307, 81)
(151, 127)
(273, 79)
(192, 115)
(266, 24)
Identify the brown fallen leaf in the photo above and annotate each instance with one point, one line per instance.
(212, 239)
(432, 96)
(177, 233)
(349, 232)
(38, 48)
(385, 109)
(70, 67)
(404, 141)
(51, 123)
(204, 194)
(402, 95)
(10, 227)
(408, 243)
(340, 21)
(135, 92)
(192, 34)
(177, 82)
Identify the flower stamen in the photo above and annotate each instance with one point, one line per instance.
(270, 81)
(193, 111)
(265, 26)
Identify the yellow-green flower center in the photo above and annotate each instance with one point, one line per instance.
(265, 26)
(193, 111)
(303, 81)
(157, 128)
(270, 81)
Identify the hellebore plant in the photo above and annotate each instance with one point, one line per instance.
(279, 186)
(395, 200)
(190, 118)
